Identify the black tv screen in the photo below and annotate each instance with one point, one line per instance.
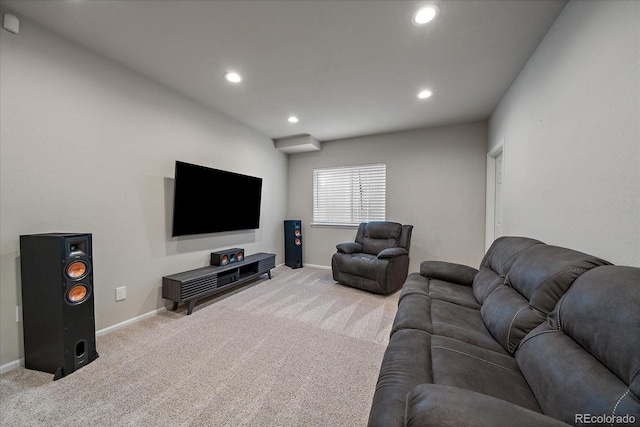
(209, 200)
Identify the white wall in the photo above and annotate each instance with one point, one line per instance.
(571, 126)
(435, 181)
(89, 146)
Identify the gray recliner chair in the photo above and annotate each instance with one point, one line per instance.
(378, 260)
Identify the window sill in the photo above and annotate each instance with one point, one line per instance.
(333, 225)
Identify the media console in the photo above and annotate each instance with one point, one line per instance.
(189, 286)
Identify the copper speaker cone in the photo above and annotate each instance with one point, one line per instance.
(76, 269)
(239, 256)
(297, 233)
(224, 259)
(298, 242)
(77, 294)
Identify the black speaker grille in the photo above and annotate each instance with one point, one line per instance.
(198, 286)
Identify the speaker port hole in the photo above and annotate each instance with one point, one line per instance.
(80, 348)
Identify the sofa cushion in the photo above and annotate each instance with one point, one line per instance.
(504, 251)
(450, 282)
(463, 324)
(454, 293)
(399, 374)
(536, 281)
(444, 406)
(496, 263)
(485, 282)
(469, 367)
(586, 358)
(544, 273)
(437, 317)
(414, 312)
(360, 264)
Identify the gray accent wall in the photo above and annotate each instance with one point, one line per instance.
(89, 146)
(435, 181)
(571, 129)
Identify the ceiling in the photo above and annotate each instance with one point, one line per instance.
(344, 68)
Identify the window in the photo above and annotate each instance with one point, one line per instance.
(349, 195)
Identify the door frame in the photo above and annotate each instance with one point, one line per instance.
(495, 151)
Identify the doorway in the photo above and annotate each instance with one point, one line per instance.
(495, 190)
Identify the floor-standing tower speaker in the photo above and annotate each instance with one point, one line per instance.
(293, 243)
(57, 302)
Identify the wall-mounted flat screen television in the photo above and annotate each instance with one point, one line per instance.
(210, 200)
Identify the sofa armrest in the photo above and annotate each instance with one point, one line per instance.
(392, 253)
(440, 405)
(448, 271)
(349, 247)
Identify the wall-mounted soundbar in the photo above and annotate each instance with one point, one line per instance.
(189, 286)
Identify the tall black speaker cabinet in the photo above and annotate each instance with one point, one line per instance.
(57, 302)
(293, 243)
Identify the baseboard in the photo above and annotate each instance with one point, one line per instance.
(11, 366)
(323, 267)
(20, 362)
(129, 322)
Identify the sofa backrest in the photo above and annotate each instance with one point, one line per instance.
(586, 358)
(536, 281)
(496, 263)
(375, 236)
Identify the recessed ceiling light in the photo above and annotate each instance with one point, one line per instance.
(292, 119)
(424, 94)
(233, 77)
(425, 15)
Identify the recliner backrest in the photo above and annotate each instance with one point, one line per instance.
(586, 358)
(496, 263)
(375, 236)
(536, 281)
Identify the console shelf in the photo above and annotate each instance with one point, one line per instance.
(189, 286)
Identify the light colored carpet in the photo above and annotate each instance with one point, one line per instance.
(296, 350)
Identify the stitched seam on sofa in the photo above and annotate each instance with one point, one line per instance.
(516, 254)
(509, 259)
(406, 407)
(558, 313)
(613, 414)
(477, 358)
(453, 326)
(556, 274)
(504, 283)
(510, 326)
(526, 339)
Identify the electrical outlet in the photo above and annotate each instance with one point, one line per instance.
(121, 293)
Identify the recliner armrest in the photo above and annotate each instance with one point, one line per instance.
(392, 253)
(349, 247)
(441, 405)
(448, 271)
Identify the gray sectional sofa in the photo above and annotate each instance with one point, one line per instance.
(538, 335)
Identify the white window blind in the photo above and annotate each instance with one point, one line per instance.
(349, 195)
